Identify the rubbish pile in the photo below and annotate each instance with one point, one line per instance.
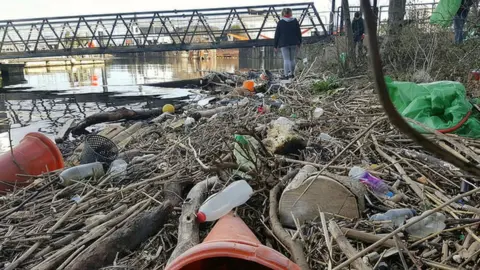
(283, 180)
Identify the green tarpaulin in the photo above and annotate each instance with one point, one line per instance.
(444, 12)
(438, 105)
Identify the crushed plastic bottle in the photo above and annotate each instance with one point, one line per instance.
(221, 203)
(244, 102)
(244, 151)
(375, 184)
(80, 172)
(188, 124)
(118, 169)
(396, 216)
(325, 137)
(317, 113)
(430, 225)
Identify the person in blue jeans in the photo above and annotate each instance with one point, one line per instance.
(459, 20)
(288, 38)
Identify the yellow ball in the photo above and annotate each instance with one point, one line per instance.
(168, 108)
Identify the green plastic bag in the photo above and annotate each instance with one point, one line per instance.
(439, 105)
(444, 12)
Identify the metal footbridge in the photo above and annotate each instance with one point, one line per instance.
(174, 30)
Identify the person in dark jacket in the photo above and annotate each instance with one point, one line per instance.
(358, 30)
(460, 18)
(288, 37)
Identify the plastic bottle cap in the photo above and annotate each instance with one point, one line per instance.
(241, 139)
(390, 194)
(201, 217)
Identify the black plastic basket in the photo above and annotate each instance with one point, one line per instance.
(98, 148)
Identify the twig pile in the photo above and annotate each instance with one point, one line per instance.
(59, 227)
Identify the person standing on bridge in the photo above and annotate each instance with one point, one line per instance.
(288, 37)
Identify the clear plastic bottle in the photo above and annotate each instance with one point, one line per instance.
(430, 225)
(375, 184)
(188, 124)
(118, 169)
(80, 172)
(396, 216)
(325, 137)
(244, 151)
(221, 203)
(317, 113)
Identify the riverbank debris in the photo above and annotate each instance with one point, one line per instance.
(136, 221)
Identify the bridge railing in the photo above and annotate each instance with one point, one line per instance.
(418, 12)
(152, 31)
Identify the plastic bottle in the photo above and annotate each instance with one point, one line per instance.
(243, 102)
(430, 225)
(118, 169)
(396, 216)
(80, 172)
(325, 137)
(221, 203)
(244, 151)
(317, 113)
(188, 124)
(375, 184)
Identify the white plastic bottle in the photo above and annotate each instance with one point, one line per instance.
(81, 172)
(221, 203)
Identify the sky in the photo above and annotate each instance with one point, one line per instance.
(16, 9)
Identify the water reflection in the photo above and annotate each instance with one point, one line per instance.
(58, 94)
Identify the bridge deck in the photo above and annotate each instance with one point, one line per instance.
(218, 28)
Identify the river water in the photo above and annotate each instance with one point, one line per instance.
(57, 94)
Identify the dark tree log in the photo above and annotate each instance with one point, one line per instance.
(123, 240)
(116, 115)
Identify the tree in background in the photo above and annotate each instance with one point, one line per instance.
(348, 29)
(396, 14)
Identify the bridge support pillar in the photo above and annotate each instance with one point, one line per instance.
(12, 74)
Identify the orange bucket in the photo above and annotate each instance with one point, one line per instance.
(231, 245)
(249, 85)
(35, 154)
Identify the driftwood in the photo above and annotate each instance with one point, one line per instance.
(332, 194)
(127, 133)
(345, 246)
(294, 246)
(123, 240)
(116, 115)
(63, 133)
(188, 229)
(134, 134)
(208, 113)
(366, 237)
(200, 82)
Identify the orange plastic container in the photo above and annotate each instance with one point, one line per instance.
(249, 85)
(229, 246)
(35, 154)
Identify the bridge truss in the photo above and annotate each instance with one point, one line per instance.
(175, 30)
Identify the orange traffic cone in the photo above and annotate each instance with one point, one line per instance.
(231, 245)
